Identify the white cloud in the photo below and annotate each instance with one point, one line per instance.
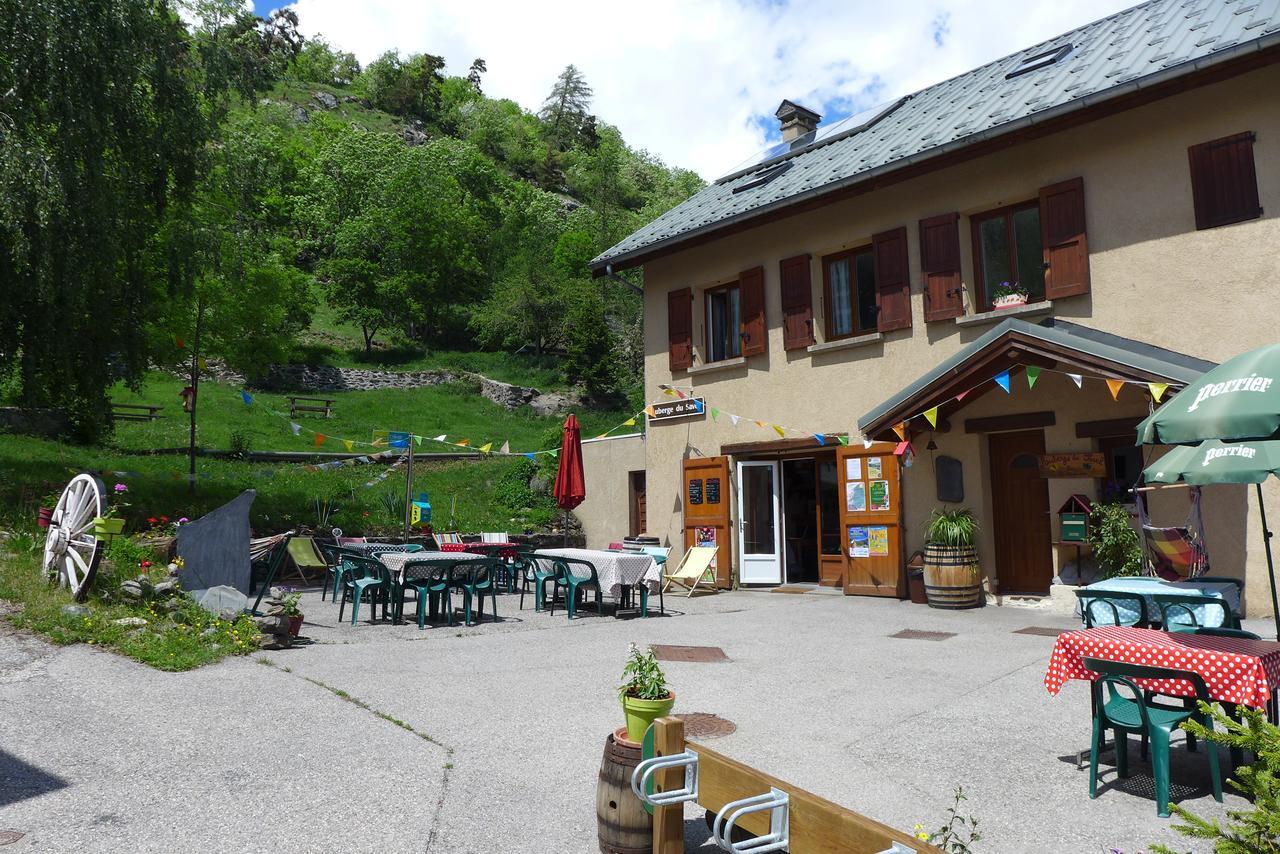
(697, 82)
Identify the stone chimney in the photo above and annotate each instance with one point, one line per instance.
(796, 121)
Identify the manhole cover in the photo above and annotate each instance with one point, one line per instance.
(1040, 630)
(8, 837)
(688, 653)
(703, 725)
(917, 634)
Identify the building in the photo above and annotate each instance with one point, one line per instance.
(843, 288)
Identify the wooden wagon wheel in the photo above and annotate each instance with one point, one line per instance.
(72, 549)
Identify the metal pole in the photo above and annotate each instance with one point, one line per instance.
(408, 490)
(1271, 569)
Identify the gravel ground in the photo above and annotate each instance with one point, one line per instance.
(506, 722)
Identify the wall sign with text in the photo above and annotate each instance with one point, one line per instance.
(685, 408)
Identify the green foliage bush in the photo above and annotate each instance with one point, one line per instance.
(642, 677)
(1116, 545)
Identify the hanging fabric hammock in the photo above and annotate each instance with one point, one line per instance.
(1175, 554)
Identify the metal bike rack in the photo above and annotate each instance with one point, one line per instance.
(641, 776)
(777, 802)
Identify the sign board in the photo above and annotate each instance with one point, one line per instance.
(685, 408)
(1073, 465)
(695, 490)
(713, 490)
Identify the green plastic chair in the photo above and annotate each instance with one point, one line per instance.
(475, 578)
(431, 586)
(365, 575)
(1178, 611)
(1138, 715)
(533, 570)
(575, 583)
(1099, 608)
(333, 555)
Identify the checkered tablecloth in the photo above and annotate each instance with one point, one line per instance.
(396, 561)
(1235, 670)
(614, 569)
(1150, 588)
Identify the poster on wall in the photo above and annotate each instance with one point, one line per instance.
(878, 540)
(879, 494)
(858, 545)
(853, 468)
(855, 497)
(705, 537)
(875, 468)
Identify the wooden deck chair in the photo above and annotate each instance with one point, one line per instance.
(452, 537)
(305, 558)
(494, 537)
(694, 570)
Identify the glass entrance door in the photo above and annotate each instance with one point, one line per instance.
(759, 558)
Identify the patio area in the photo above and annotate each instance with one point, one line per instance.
(488, 738)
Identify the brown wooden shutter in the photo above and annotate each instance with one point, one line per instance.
(940, 266)
(680, 328)
(797, 302)
(893, 279)
(1224, 184)
(751, 295)
(1062, 234)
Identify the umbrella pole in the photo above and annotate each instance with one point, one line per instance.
(565, 542)
(1271, 570)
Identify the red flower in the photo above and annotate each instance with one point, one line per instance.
(164, 519)
(145, 564)
(151, 520)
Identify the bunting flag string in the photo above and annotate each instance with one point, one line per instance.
(1033, 374)
(1002, 380)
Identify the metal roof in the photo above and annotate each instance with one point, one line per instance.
(1145, 359)
(1114, 56)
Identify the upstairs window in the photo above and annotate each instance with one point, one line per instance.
(850, 283)
(1007, 247)
(724, 323)
(1224, 185)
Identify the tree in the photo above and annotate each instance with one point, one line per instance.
(409, 88)
(319, 62)
(478, 68)
(565, 109)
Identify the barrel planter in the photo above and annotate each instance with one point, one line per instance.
(952, 576)
(625, 826)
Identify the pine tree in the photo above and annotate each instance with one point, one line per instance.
(565, 109)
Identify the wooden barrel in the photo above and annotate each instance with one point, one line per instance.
(625, 827)
(952, 577)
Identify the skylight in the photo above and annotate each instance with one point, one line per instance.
(1039, 60)
(765, 177)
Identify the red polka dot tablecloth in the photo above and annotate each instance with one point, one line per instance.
(1235, 670)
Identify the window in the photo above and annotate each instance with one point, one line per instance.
(1224, 185)
(1007, 248)
(1039, 60)
(850, 282)
(724, 323)
(1124, 463)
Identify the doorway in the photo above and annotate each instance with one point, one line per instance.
(759, 531)
(638, 523)
(800, 520)
(1020, 513)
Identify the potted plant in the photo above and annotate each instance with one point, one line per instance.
(293, 612)
(952, 575)
(644, 693)
(111, 523)
(1008, 295)
(47, 505)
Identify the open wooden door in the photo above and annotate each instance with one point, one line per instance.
(706, 511)
(871, 520)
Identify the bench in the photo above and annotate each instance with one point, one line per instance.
(134, 412)
(311, 404)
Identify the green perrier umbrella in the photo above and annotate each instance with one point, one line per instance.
(1238, 400)
(1215, 461)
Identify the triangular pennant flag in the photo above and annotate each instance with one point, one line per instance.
(295, 427)
(1157, 390)
(866, 443)
(204, 366)
(484, 449)
(670, 392)
(901, 429)
(1002, 380)
(734, 419)
(844, 440)
(530, 456)
(1115, 386)
(761, 424)
(960, 396)
(603, 436)
(648, 410)
(439, 438)
(417, 440)
(697, 404)
(679, 394)
(1077, 379)
(715, 414)
(244, 395)
(777, 429)
(1033, 374)
(820, 439)
(462, 443)
(931, 415)
(506, 446)
(319, 439)
(630, 422)
(350, 445)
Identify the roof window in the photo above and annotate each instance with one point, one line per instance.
(765, 177)
(1039, 60)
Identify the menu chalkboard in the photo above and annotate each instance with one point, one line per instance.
(695, 491)
(713, 490)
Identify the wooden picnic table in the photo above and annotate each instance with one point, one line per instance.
(311, 404)
(134, 412)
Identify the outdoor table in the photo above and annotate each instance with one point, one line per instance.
(616, 570)
(396, 561)
(1235, 670)
(1147, 587)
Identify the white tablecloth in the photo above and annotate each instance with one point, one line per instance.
(1150, 588)
(614, 569)
(395, 561)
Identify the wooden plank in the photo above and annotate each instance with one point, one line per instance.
(1018, 421)
(782, 445)
(668, 822)
(818, 826)
(1108, 427)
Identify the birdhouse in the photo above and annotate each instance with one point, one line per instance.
(420, 512)
(1073, 516)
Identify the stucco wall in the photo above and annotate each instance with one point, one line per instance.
(606, 467)
(1154, 279)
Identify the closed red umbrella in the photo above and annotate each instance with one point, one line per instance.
(570, 488)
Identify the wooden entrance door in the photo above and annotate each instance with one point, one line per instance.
(639, 521)
(706, 511)
(871, 520)
(1020, 513)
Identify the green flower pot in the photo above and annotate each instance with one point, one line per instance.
(641, 713)
(108, 526)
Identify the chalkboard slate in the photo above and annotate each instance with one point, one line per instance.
(949, 473)
(713, 490)
(695, 491)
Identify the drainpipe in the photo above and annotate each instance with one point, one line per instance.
(609, 274)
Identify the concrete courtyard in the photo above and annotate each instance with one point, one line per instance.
(488, 739)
